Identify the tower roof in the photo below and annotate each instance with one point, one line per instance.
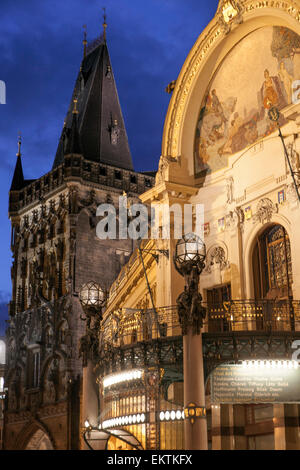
(101, 125)
(18, 181)
(18, 178)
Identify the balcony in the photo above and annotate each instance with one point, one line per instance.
(132, 325)
(233, 331)
(249, 315)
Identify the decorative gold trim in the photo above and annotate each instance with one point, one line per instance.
(193, 411)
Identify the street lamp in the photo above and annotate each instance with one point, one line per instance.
(189, 261)
(190, 252)
(92, 298)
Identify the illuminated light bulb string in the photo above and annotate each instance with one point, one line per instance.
(270, 365)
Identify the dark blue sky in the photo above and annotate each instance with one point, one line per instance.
(41, 51)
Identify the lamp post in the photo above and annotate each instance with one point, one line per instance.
(92, 299)
(189, 261)
(274, 115)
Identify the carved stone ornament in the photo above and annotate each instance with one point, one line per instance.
(241, 215)
(217, 256)
(295, 160)
(232, 220)
(164, 163)
(230, 11)
(265, 210)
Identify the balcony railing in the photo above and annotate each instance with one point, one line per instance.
(260, 315)
(131, 326)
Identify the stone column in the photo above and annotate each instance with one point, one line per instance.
(195, 425)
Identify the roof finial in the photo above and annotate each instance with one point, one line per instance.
(75, 101)
(104, 24)
(84, 40)
(19, 144)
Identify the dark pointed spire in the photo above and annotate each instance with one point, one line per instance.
(100, 121)
(84, 40)
(18, 178)
(104, 24)
(73, 144)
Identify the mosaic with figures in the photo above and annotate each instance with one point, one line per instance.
(257, 74)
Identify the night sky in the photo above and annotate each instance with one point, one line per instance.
(41, 51)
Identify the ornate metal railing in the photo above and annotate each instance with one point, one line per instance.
(249, 315)
(130, 326)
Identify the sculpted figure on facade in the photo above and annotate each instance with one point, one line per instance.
(164, 163)
(216, 256)
(190, 310)
(230, 189)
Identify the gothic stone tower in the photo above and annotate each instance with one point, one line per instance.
(56, 251)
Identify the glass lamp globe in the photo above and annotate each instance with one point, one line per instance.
(92, 295)
(190, 251)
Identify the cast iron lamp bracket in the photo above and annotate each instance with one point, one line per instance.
(189, 261)
(155, 254)
(274, 115)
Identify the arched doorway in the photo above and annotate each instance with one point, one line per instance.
(273, 278)
(39, 441)
(272, 265)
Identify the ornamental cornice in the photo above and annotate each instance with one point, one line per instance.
(170, 190)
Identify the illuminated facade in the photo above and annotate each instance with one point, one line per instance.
(2, 394)
(55, 251)
(220, 148)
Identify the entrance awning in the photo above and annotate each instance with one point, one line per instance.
(97, 439)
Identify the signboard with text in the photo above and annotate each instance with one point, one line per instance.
(233, 384)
